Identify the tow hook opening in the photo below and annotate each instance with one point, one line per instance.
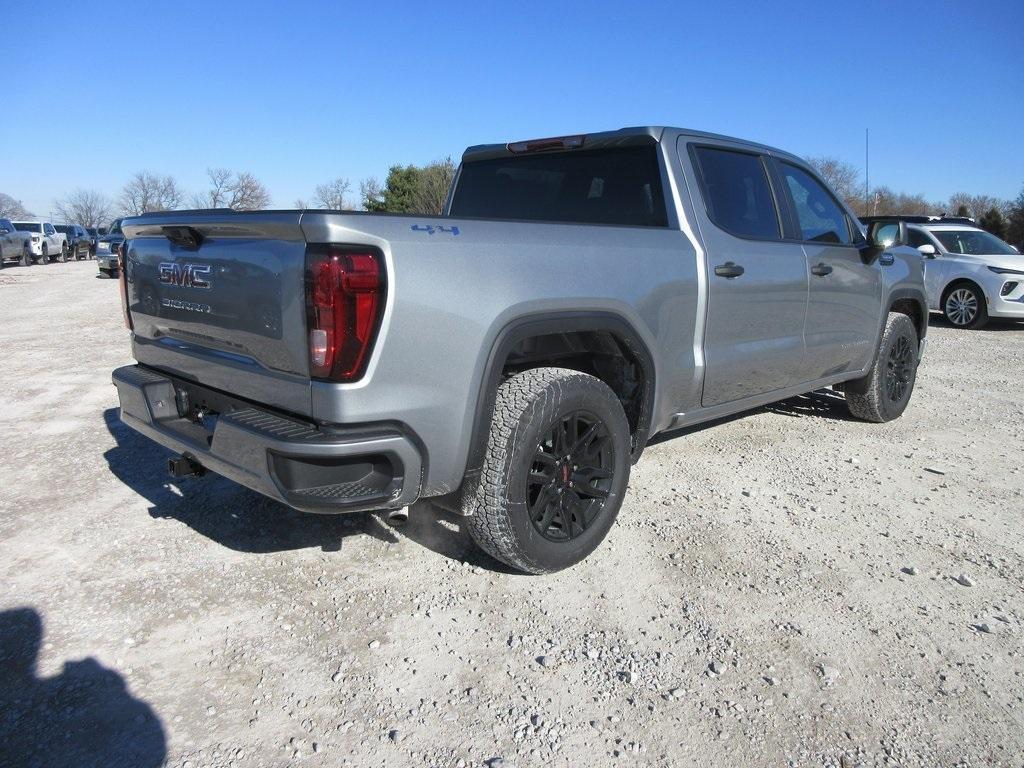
(184, 466)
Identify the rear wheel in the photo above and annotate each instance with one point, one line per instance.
(26, 256)
(554, 473)
(884, 393)
(64, 251)
(964, 306)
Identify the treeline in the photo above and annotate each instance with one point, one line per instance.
(424, 189)
(1003, 218)
(407, 189)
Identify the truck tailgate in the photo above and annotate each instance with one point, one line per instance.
(218, 297)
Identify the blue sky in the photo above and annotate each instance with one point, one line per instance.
(301, 93)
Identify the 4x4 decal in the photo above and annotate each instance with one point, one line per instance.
(431, 229)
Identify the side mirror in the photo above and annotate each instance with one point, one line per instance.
(882, 235)
(927, 250)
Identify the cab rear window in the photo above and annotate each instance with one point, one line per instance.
(607, 186)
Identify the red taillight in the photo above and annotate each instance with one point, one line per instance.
(344, 299)
(122, 278)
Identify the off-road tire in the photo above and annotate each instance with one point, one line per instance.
(45, 257)
(528, 406)
(64, 251)
(26, 257)
(884, 393)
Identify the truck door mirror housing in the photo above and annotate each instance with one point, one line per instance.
(928, 250)
(882, 235)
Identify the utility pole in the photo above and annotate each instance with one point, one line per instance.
(867, 211)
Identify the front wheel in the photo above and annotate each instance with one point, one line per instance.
(45, 258)
(26, 256)
(554, 473)
(964, 306)
(884, 393)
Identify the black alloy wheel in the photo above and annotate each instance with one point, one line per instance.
(570, 477)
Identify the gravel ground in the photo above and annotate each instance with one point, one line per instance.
(786, 588)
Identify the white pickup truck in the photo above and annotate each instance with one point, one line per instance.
(45, 242)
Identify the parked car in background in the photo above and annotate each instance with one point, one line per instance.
(46, 242)
(971, 275)
(596, 290)
(79, 242)
(107, 249)
(15, 245)
(94, 238)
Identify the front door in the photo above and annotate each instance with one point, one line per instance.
(845, 295)
(757, 283)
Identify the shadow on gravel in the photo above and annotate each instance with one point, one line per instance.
(994, 324)
(84, 716)
(445, 533)
(223, 511)
(824, 403)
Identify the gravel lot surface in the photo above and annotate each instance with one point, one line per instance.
(790, 587)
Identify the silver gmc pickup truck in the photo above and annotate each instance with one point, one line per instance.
(510, 359)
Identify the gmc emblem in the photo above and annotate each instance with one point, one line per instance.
(185, 275)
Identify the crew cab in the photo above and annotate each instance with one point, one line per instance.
(45, 242)
(510, 359)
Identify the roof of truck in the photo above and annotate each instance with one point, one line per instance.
(630, 136)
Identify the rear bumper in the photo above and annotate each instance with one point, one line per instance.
(289, 460)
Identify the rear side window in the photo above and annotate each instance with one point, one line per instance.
(737, 193)
(819, 215)
(607, 186)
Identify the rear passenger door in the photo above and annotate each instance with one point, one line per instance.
(845, 294)
(757, 282)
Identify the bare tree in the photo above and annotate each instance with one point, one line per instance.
(976, 205)
(86, 207)
(842, 177)
(371, 194)
(149, 192)
(432, 190)
(300, 204)
(885, 202)
(239, 191)
(333, 195)
(13, 209)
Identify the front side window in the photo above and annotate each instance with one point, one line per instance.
(50, 230)
(916, 238)
(819, 215)
(737, 193)
(973, 242)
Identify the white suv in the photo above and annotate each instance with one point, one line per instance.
(46, 243)
(970, 274)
